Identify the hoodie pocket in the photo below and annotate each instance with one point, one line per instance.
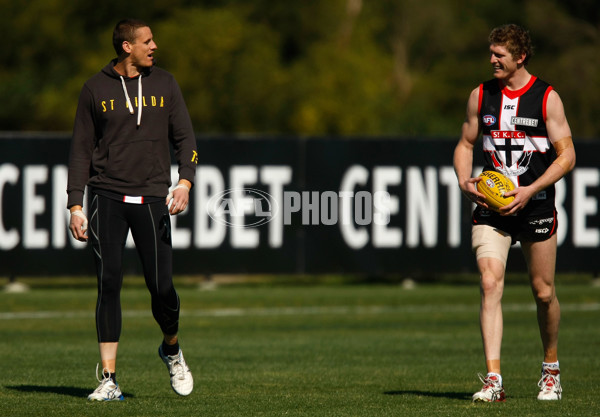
(132, 162)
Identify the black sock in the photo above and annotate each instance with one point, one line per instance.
(170, 350)
(111, 375)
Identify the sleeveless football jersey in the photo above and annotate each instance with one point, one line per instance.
(515, 139)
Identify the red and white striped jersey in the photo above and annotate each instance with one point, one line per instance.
(515, 139)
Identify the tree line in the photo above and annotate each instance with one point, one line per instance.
(334, 67)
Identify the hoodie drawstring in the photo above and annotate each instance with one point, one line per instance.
(140, 105)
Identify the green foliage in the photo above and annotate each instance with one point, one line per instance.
(336, 67)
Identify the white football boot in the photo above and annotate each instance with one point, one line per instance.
(549, 384)
(182, 381)
(492, 390)
(107, 390)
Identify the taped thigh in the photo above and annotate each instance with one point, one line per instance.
(490, 242)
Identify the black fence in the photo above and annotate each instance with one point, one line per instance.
(292, 205)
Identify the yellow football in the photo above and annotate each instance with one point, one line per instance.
(493, 185)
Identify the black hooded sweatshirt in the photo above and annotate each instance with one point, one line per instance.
(123, 148)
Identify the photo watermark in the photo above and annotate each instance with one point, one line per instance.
(250, 207)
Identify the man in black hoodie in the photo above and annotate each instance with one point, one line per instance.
(127, 115)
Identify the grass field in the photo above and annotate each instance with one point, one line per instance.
(296, 350)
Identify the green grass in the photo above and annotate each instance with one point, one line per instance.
(296, 350)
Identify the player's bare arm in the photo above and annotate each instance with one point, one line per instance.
(559, 134)
(463, 153)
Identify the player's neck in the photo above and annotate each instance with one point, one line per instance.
(126, 68)
(517, 80)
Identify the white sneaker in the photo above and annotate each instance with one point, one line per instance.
(182, 381)
(107, 390)
(549, 384)
(492, 390)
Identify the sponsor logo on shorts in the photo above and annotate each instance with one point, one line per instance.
(541, 222)
(542, 231)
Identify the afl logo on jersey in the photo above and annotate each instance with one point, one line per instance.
(489, 120)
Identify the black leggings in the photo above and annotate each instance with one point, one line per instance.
(150, 225)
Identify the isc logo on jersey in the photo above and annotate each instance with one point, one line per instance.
(489, 119)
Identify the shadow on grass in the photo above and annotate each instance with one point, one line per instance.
(61, 390)
(450, 395)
